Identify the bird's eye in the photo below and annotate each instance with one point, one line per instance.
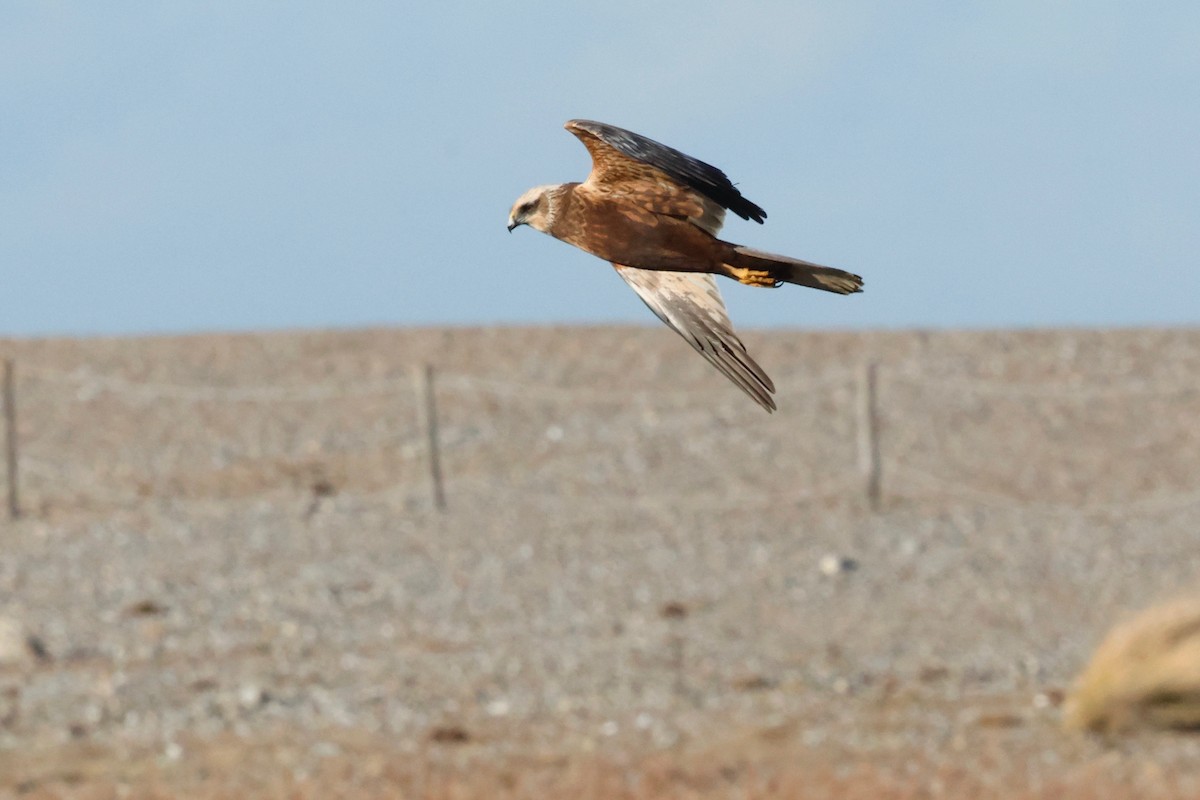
(526, 208)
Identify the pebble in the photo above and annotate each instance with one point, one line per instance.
(832, 564)
(15, 642)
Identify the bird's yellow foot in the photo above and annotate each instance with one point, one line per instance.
(754, 277)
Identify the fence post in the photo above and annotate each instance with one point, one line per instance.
(10, 437)
(427, 414)
(868, 433)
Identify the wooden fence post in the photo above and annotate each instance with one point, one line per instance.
(427, 414)
(868, 434)
(10, 436)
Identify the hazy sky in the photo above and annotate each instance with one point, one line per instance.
(213, 166)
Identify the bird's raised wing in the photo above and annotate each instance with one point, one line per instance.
(690, 303)
(660, 178)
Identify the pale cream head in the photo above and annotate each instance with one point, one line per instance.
(535, 208)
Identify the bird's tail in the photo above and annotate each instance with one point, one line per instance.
(757, 268)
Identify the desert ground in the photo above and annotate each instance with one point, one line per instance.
(229, 577)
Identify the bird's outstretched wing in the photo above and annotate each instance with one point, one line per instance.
(659, 177)
(690, 303)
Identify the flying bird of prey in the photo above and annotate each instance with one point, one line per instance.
(654, 213)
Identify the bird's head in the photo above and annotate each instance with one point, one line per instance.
(535, 208)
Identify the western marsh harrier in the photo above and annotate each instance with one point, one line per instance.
(654, 213)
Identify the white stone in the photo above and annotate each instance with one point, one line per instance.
(14, 642)
(832, 564)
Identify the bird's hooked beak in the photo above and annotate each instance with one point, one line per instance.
(512, 225)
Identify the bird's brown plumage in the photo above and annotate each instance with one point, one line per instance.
(654, 213)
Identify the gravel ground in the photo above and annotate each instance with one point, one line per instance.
(229, 538)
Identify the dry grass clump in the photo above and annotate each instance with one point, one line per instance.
(1146, 673)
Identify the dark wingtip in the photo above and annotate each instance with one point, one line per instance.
(744, 208)
(756, 215)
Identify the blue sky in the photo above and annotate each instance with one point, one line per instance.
(196, 166)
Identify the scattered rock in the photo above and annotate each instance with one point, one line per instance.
(498, 707)
(146, 608)
(10, 706)
(37, 647)
(1049, 698)
(1000, 719)
(449, 734)
(673, 610)
(17, 645)
(251, 696)
(831, 565)
(203, 685)
(933, 674)
(752, 683)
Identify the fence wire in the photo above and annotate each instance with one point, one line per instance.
(512, 435)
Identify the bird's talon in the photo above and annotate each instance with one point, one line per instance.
(756, 277)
